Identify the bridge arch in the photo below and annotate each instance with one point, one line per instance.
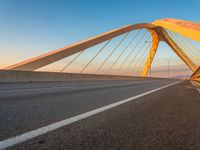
(56, 55)
(156, 29)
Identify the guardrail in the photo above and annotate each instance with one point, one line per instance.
(196, 75)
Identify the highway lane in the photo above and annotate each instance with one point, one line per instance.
(36, 88)
(167, 119)
(22, 108)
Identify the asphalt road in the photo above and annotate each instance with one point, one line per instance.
(166, 119)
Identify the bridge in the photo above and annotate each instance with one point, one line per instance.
(109, 100)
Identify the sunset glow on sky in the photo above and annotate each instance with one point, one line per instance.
(29, 28)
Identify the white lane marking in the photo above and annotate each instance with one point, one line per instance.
(34, 89)
(63, 87)
(40, 131)
(122, 84)
(197, 85)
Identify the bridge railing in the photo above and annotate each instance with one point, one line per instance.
(196, 75)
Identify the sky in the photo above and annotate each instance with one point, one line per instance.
(29, 28)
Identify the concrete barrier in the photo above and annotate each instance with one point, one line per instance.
(7, 76)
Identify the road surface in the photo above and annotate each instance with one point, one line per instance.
(168, 118)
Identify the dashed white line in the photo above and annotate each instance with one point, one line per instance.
(34, 89)
(65, 87)
(40, 131)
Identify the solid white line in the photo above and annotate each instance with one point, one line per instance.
(40, 131)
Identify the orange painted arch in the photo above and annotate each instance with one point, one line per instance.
(156, 30)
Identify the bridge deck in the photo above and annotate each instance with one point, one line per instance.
(165, 119)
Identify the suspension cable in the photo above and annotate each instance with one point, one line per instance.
(100, 50)
(112, 52)
(72, 61)
(127, 46)
(132, 60)
(131, 52)
(184, 46)
(171, 39)
(178, 42)
(190, 43)
(141, 59)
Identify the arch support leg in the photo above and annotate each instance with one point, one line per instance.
(154, 46)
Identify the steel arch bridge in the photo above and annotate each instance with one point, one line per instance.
(160, 30)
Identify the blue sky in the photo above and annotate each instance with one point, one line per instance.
(32, 27)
